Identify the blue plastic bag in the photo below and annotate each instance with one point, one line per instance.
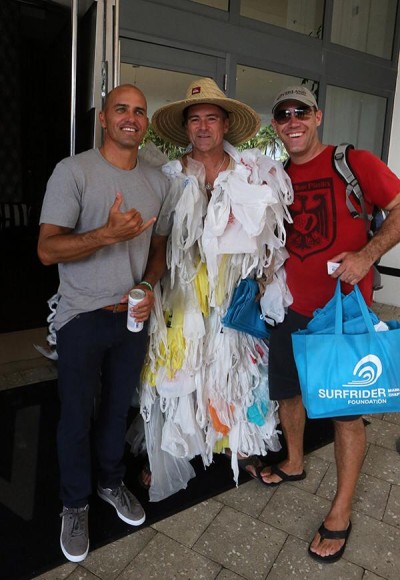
(244, 312)
(343, 372)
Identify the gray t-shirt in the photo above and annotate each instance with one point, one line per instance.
(79, 195)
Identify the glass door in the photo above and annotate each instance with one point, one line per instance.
(163, 73)
(60, 59)
(95, 66)
(35, 120)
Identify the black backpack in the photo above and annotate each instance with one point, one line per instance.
(354, 193)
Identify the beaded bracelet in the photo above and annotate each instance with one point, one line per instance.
(145, 283)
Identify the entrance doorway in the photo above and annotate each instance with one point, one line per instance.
(34, 73)
(53, 77)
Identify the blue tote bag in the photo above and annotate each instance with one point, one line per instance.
(345, 369)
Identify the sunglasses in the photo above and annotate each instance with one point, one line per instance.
(283, 116)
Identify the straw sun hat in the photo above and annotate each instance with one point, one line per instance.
(168, 120)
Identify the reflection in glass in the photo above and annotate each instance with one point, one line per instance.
(365, 26)
(258, 88)
(303, 16)
(221, 4)
(354, 117)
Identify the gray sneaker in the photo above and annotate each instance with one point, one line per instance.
(127, 506)
(74, 539)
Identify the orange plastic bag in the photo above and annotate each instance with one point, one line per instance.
(217, 424)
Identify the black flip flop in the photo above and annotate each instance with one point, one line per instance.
(251, 461)
(285, 477)
(245, 462)
(331, 535)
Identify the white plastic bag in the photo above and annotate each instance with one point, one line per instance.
(168, 474)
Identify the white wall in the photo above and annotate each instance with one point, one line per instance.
(390, 293)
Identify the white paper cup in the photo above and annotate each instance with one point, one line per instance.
(135, 296)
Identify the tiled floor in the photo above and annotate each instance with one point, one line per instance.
(20, 362)
(256, 532)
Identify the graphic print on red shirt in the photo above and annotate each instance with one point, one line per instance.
(314, 218)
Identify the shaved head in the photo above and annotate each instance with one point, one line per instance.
(114, 94)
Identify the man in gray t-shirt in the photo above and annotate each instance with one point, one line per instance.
(96, 224)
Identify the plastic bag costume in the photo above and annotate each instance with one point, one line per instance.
(205, 387)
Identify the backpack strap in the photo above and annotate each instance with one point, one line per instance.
(353, 189)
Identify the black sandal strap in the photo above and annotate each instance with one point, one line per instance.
(332, 535)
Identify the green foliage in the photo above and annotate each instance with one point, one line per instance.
(172, 151)
(268, 142)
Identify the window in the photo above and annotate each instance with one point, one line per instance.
(221, 4)
(149, 80)
(354, 117)
(365, 25)
(303, 16)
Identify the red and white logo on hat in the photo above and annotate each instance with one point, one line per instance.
(196, 90)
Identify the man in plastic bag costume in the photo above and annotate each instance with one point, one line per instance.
(205, 387)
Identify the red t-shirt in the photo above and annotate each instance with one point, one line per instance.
(323, 227)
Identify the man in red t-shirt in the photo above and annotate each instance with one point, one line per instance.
(323, 230)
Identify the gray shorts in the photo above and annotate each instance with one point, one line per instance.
(282, 371)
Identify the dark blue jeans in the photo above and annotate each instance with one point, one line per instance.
(98, 359)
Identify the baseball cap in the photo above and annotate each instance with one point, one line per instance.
(298, 93)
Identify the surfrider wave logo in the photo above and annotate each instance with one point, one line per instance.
(362, 390)
(368, 370)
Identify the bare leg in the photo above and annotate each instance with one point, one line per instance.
(292, 418)
(350, 443)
